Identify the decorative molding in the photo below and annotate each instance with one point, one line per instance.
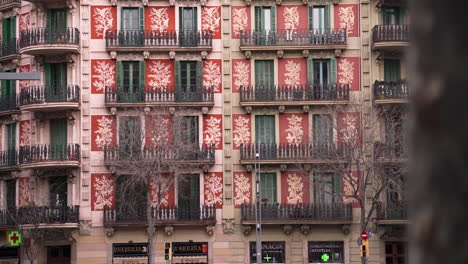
(228, 226)
(169, 230)
(16, 11)
(147, 110)
(109, 231)
(307, 167)
(283, 167)
(113, 110)
(249, 167)
(305, 229)
(71, 6)
(172, 110)
(226, 2)
(146, 55)
(248, 54)
(203, 2)
(248, 109)
(204, 54)
(113, 55)
(210, 230)
(172, 54)
(279, 2)
(305, 2)
(171, 2)
(205, 110)
(246, 230)
(206, 168)
(73, 235)
(287, 229)
(15, 117)
(345, 229)
(114, 2)
(144, 2)
(305, 53)
(248, 2)
(338, 52)
(281, 109)
(280, 54)
(305, 108)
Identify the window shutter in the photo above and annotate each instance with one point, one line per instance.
(122, 18)
(195, 19)
(13, 28)
(258, 18)
(310, 71)
(63, 75)
(142, 76)
(48, 75)
(333, 71)
(62, 20)
(141, 18)
(199, 75)
(178, 77)
(5, 28)
(273, 18)
(49, 19)
(181, 19)
(11, 140)
(337, 191)
(311, 17)
(327, 17)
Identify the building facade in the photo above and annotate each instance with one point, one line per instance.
(274, 90)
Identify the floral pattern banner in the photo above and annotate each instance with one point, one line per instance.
(25, 133)
(294, 128)
(167, 190)
(242, 188)
(347, 16)
(241, 130)
(211, 20)
(212, 130)
(295, 188)
(240, 20)
(240, 74)
(292, 17)
(103, 74)
(103, 18)
(102, 191)
(350, 183)
(160, 18)
(104, 131)
(158, 130)
(24, 68)
(23, 191)
(214, 189)
(212, 74)
(293, 71)
(348, 69)
(349, 128)
(24, 22)
(160, 75)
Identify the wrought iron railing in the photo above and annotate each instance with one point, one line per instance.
(5, 2)
(40, 215)
(185, 154)
(146, 38)
(269, 211)
(332, 36)
(388, 33)
(9, 102)
(45, 153)
(390, 90)
(273, 151)
(305, 92)
(9, 47)
(46, 36)
(390, 151)
(8, 158)
(46, 94)
(392, 210)
(158, 95)
(172, 214)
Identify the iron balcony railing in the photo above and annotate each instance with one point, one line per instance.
(146, 38)
(47, 153)
(305, 92)
(289, 212)
(9, 102)
(47, 94)
(46, 36)
(202, 152)
(158, 95)
(6, 2)
(319, 37)
(40, 215)
(392, 210)
(292, 152)
(172, 214)
(8, 158)
(9, 47)
(389, 33)
(390, 151)
(390, 90)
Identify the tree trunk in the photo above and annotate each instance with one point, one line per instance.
(438, 167)
(151, 230)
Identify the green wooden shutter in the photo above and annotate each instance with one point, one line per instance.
(268, 187)
(141, 18)
(273, 18)
(63, 75)
(120, 75)
(311, 17)
(62, 21)
(195, 19)
(265, 129)
(178, 76)
(58, 131)
(11, 136)
(391, 70)
(310, 71)
(5, 29)
(48, 75)
(337, 191)
(332, 79)
(122, 18)
(13, 27)
(142, 77)
(327, 17)
(199, 75)
(11, 194)
(259, 19)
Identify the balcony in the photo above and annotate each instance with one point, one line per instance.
(298, 214)
(156, 96)
(9, 50)
(294, 95)
(44, 216)
(44, 98)
(139, 40)
(394, 92)
(204, 215)
(43, 156)
(9, 4)
(8, 160)
(292, 153)
(329, 39)
(390, 153)
(43, 41)
(392, 212)
(9, 105)
(392, 38)
(188, 156)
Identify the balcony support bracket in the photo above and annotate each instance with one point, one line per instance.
(345, 229)
(146, 55)
(305, 109)
(246, 230)
(85, 227)
(279, 2)
(280, 54)
(338, 53)
(206, 168)
(283, 167)
(205, 110)
(281, 109)
(287, 229)
(113, 110)
(204, 55)
(248, 54)
(305, 53)
(145, 2)
(249, 167)
(172, 54)
(169, 230)
(248, 2)
(210, 230)
(305, 229)
(113, 55)
(248, 109)
(109, 231)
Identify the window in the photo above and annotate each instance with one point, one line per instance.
(188, 130)
(11, 194)
(392, 16)
(272, 252)
(327, 188)
(55, 82)
(188, 197)
(264, 80)
(396, 196)
(394, 134)
(8, 93)
(9, 31)
(391, 70)
(395, 253)
(131, 199)
(326, 252)
(322, 129)
(130, 137)
(132, 19)
(321, 75)
(130, 81)
(319, 18)
(58, 191)
(10, 146)
(58, 138)
(188, 26)
(56, 22)
(268, 187)
(189, 81)
(265, 25)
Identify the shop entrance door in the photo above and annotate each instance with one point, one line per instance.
(58, 254)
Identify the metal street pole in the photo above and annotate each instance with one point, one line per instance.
(258, 215)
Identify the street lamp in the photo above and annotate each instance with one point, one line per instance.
(258, 218)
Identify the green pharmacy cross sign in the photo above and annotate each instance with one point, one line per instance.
(267, 258)
(14, 238)
(325, 257)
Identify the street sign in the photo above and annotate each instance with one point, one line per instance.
(364, 235)
(22, 76)
(14, 238)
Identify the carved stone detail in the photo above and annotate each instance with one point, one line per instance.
(305, 53)
(210, 230)
(287, 229)
(246, 230)
(345, 229)
(305, 108)
(248, 109)
(172, 2)
(228, 226)
(338, 53)
(279, 2)
(172, 110)
(114, 2)
(305, 229)
(147, 110)
(281, 109)
(145, 2)
(204, 55)
(146, 55)
(113, 55)
(203, 2)
(280, 54)
(248, 2)
(15, 117)
(305, 2)
(249, 167)
(205, 110)
(113, 110)
(172, 54)
(206, 168)
(169, 230)
(283, 167)
(109, 231)
(248, 54)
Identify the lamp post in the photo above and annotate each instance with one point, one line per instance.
(258, 218)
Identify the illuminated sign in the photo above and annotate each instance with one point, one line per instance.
(190, 252)
(14, 238)
(326, 252)
(131, 253)
(272, 252)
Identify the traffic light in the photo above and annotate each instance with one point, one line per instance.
(365, 248)
(168, 252)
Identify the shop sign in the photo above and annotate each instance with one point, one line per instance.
(190, 252)
(326, 252)
(130, 253)
(272, 252)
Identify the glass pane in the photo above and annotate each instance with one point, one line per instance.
(130, 19)
(319, 17)
(267, 16)
(189, 18)
(388, 249)
(389, 260)
(400, 249)
(401, 260)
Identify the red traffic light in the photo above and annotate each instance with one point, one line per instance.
(364, 235)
